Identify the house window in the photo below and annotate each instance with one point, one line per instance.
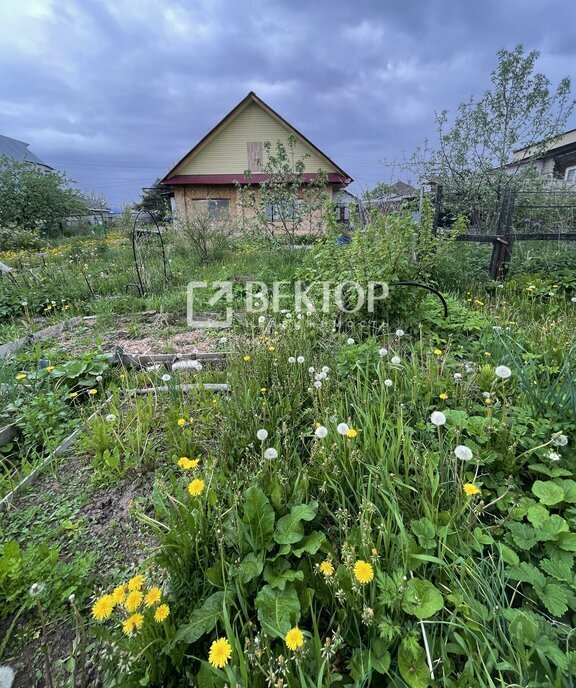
(276, 212)
(342, 213)
(570, 175)
(218, 208)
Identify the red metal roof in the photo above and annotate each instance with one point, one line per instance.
(219, 179)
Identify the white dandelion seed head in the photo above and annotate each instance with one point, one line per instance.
(270, 454)
(299, 316)
(457, 376)
(291, 359)
(395, 360)
(497, 328)
(382, 352)
(388, 383)
(486, 395)
(437, 418)
(222, 340)
(165, 377)
(350, 341)
(503, 372)
(573, 299)
(463, 452)
(321, 432)
(469, 369)
(317, 384)
(325, 369)
(311, 370)
(554, 456)
(262, 434)
(399, 333)
(342, 428)
(110, 418)
(98, 378)
(560, 440)
(37, 589)
(300, 359)
(261, 320)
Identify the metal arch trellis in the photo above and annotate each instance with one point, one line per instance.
(141, 251)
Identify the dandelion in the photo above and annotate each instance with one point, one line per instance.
(321, 432)
(271, 348)
(270, 454)
(133, 600)
(262, 434)
(261, 320)
(21, 376)
(136, 583)
(181, 421)
(294, 638)
(470, 489)
(165, 377)
(463, 452)
(399, 333)
(325, 369)
(327, 568)
(554, 456)
(300, 359)
(559, 440)
(291, 359)
(363, 571)
(342, 429)
(36, 589)
(246, 358)
(132, 624)
(395, 360)
(196, 487)
(187, 464)
(92, 392)
(350, 341)
(103, 607)
(110, 418)
(152, 596)
(503, 372)
(220, 653)
(437, 418)
(487, 353)
(438, 352)
(573, 299)
(388, 383)
(311, 370)
(119, 593)
(443, 396)
(457, 376)
(382, 352)
(161, 613)
(263, 390)
(50, 368)
(351, 433)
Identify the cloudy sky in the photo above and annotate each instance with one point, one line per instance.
(113, 92)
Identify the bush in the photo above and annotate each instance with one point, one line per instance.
(13, 238)
(207, 237)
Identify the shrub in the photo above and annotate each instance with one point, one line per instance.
(14, 238)
(207, 237)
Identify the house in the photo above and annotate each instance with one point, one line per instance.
(18, 151)
(209, 174)
(555, 161)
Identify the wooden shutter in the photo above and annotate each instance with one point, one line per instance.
(254, 155)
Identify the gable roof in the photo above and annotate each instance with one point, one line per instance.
(18, 150)
(340, 176)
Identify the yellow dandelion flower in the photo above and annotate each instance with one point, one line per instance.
(487, 353)
(363, 571)
(132, 623)
(374, 552)
(152, 596)
(351, 432)
(136, 582)
(73, 395)
(103, 607)
(181, 421)
(327, 568)
(438, 352)
(92, 391)
(443, 396)
(263, 390)
(271, 348)
(488, 401)
(294, 638)
(186, 464)
(470, 489)
(246, 358)
(133, 600)
(220, 653)
(196, 487)
(161, 614)
(20, 376)
(50, 369)
(119, 593)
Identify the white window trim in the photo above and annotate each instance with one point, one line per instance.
(570, 169)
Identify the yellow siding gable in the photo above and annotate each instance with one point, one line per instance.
(226, 152)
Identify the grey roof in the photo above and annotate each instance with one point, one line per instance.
(18, 150)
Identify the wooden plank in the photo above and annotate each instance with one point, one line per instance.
(51, 331)
(519, 236)
(254, 155)
(207, 386)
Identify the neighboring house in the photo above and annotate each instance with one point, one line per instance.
(18, 150)
(557, 161)
(208, 174)
(343, 201)
(396, 194)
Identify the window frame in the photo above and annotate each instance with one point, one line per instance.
(567, 172)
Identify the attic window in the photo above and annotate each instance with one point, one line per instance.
(570, 175)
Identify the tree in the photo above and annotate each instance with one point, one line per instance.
(286, 201)
(33, 199)
(521, 109)
(156, 200)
